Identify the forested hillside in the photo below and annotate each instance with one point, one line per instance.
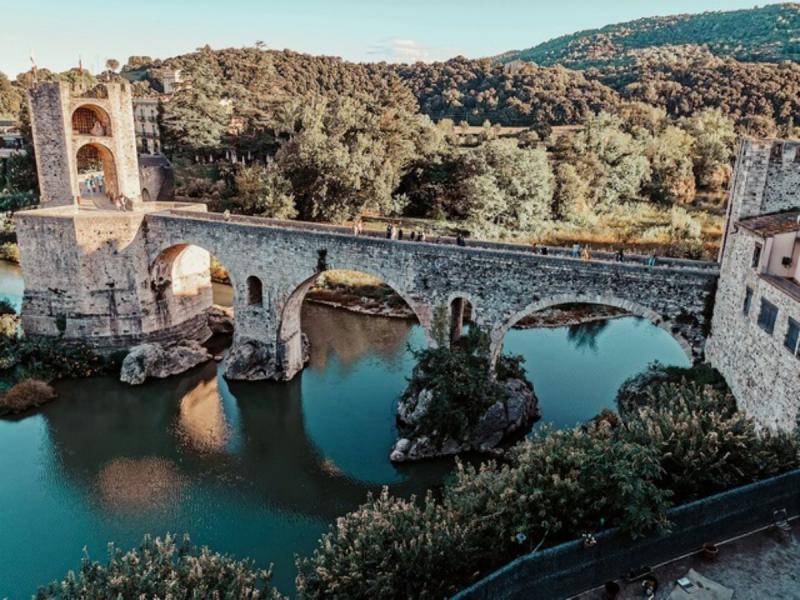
(636, 150)
(766, 34)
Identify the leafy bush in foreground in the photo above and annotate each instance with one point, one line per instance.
(558, 484)
(389, 548)
(706, 445)
(615, 471)
(163, 569)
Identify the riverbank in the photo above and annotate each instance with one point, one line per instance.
(557, 316)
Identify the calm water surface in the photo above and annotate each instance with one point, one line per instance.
(256, 469)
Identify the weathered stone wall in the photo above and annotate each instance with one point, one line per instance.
(763, 375)
(88, 277)
(502, 286)
(53, 157)
(52, 106)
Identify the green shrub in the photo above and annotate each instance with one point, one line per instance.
(557, 485)
(163, 569)
(459, 378)
(48, 359)
(388, 548)
(26, 394)
(706, 445)
(9, 251)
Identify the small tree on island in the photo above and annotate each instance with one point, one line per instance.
(453, 385)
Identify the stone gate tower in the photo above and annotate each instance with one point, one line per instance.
(84, 134)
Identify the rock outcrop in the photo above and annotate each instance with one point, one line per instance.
(253, 360)
(220, 319)
(155, 360)
(516, 412)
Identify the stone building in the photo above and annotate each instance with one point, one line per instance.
(755, 332)
(145, 118)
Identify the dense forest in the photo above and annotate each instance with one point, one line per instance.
(766, 34)
(617, 151)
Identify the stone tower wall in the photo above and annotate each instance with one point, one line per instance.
(48, 104)
(88, 277)
(52, 105)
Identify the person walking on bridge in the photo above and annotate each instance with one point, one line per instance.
(576, 251)
(388, 232)
(585, 254)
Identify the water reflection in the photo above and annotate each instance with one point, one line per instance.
(11, 284)
(256, 469)
(584, 335)
(201, 420)
(577, 370)
(137, 484)
(385, 338)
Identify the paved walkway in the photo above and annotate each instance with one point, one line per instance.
(760, 566)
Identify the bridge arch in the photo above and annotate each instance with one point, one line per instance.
(290, 335)
(500, 330)
(461, 311)
(182, 289)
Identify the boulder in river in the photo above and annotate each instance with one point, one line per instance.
(220, 319)
(156, 360)
(518, 410)
(254, 360)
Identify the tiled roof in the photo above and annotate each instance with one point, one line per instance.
(786, 285)
(769, 225)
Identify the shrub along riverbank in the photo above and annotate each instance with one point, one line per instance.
(27, 365)
(675, 441)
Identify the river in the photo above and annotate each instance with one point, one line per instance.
(256, 469)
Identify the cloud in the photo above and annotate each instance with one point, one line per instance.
(400, 50)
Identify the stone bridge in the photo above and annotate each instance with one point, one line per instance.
(116, 279)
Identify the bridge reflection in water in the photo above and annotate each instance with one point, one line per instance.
(256, 469)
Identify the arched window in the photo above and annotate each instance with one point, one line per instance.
(91, 120)
(255, 293)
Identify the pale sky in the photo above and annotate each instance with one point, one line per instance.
(59, 31)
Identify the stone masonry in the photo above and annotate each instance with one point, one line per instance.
(762, 373)
(57, 142)
(116, 279)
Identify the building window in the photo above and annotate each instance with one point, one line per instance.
(792, 341)
(748, 301)
(756, 256)
(767, 316)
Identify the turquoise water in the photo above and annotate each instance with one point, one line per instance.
(256, 469)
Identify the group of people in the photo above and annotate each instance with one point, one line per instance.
(393, 232)
(583, 252)
(94, 184)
